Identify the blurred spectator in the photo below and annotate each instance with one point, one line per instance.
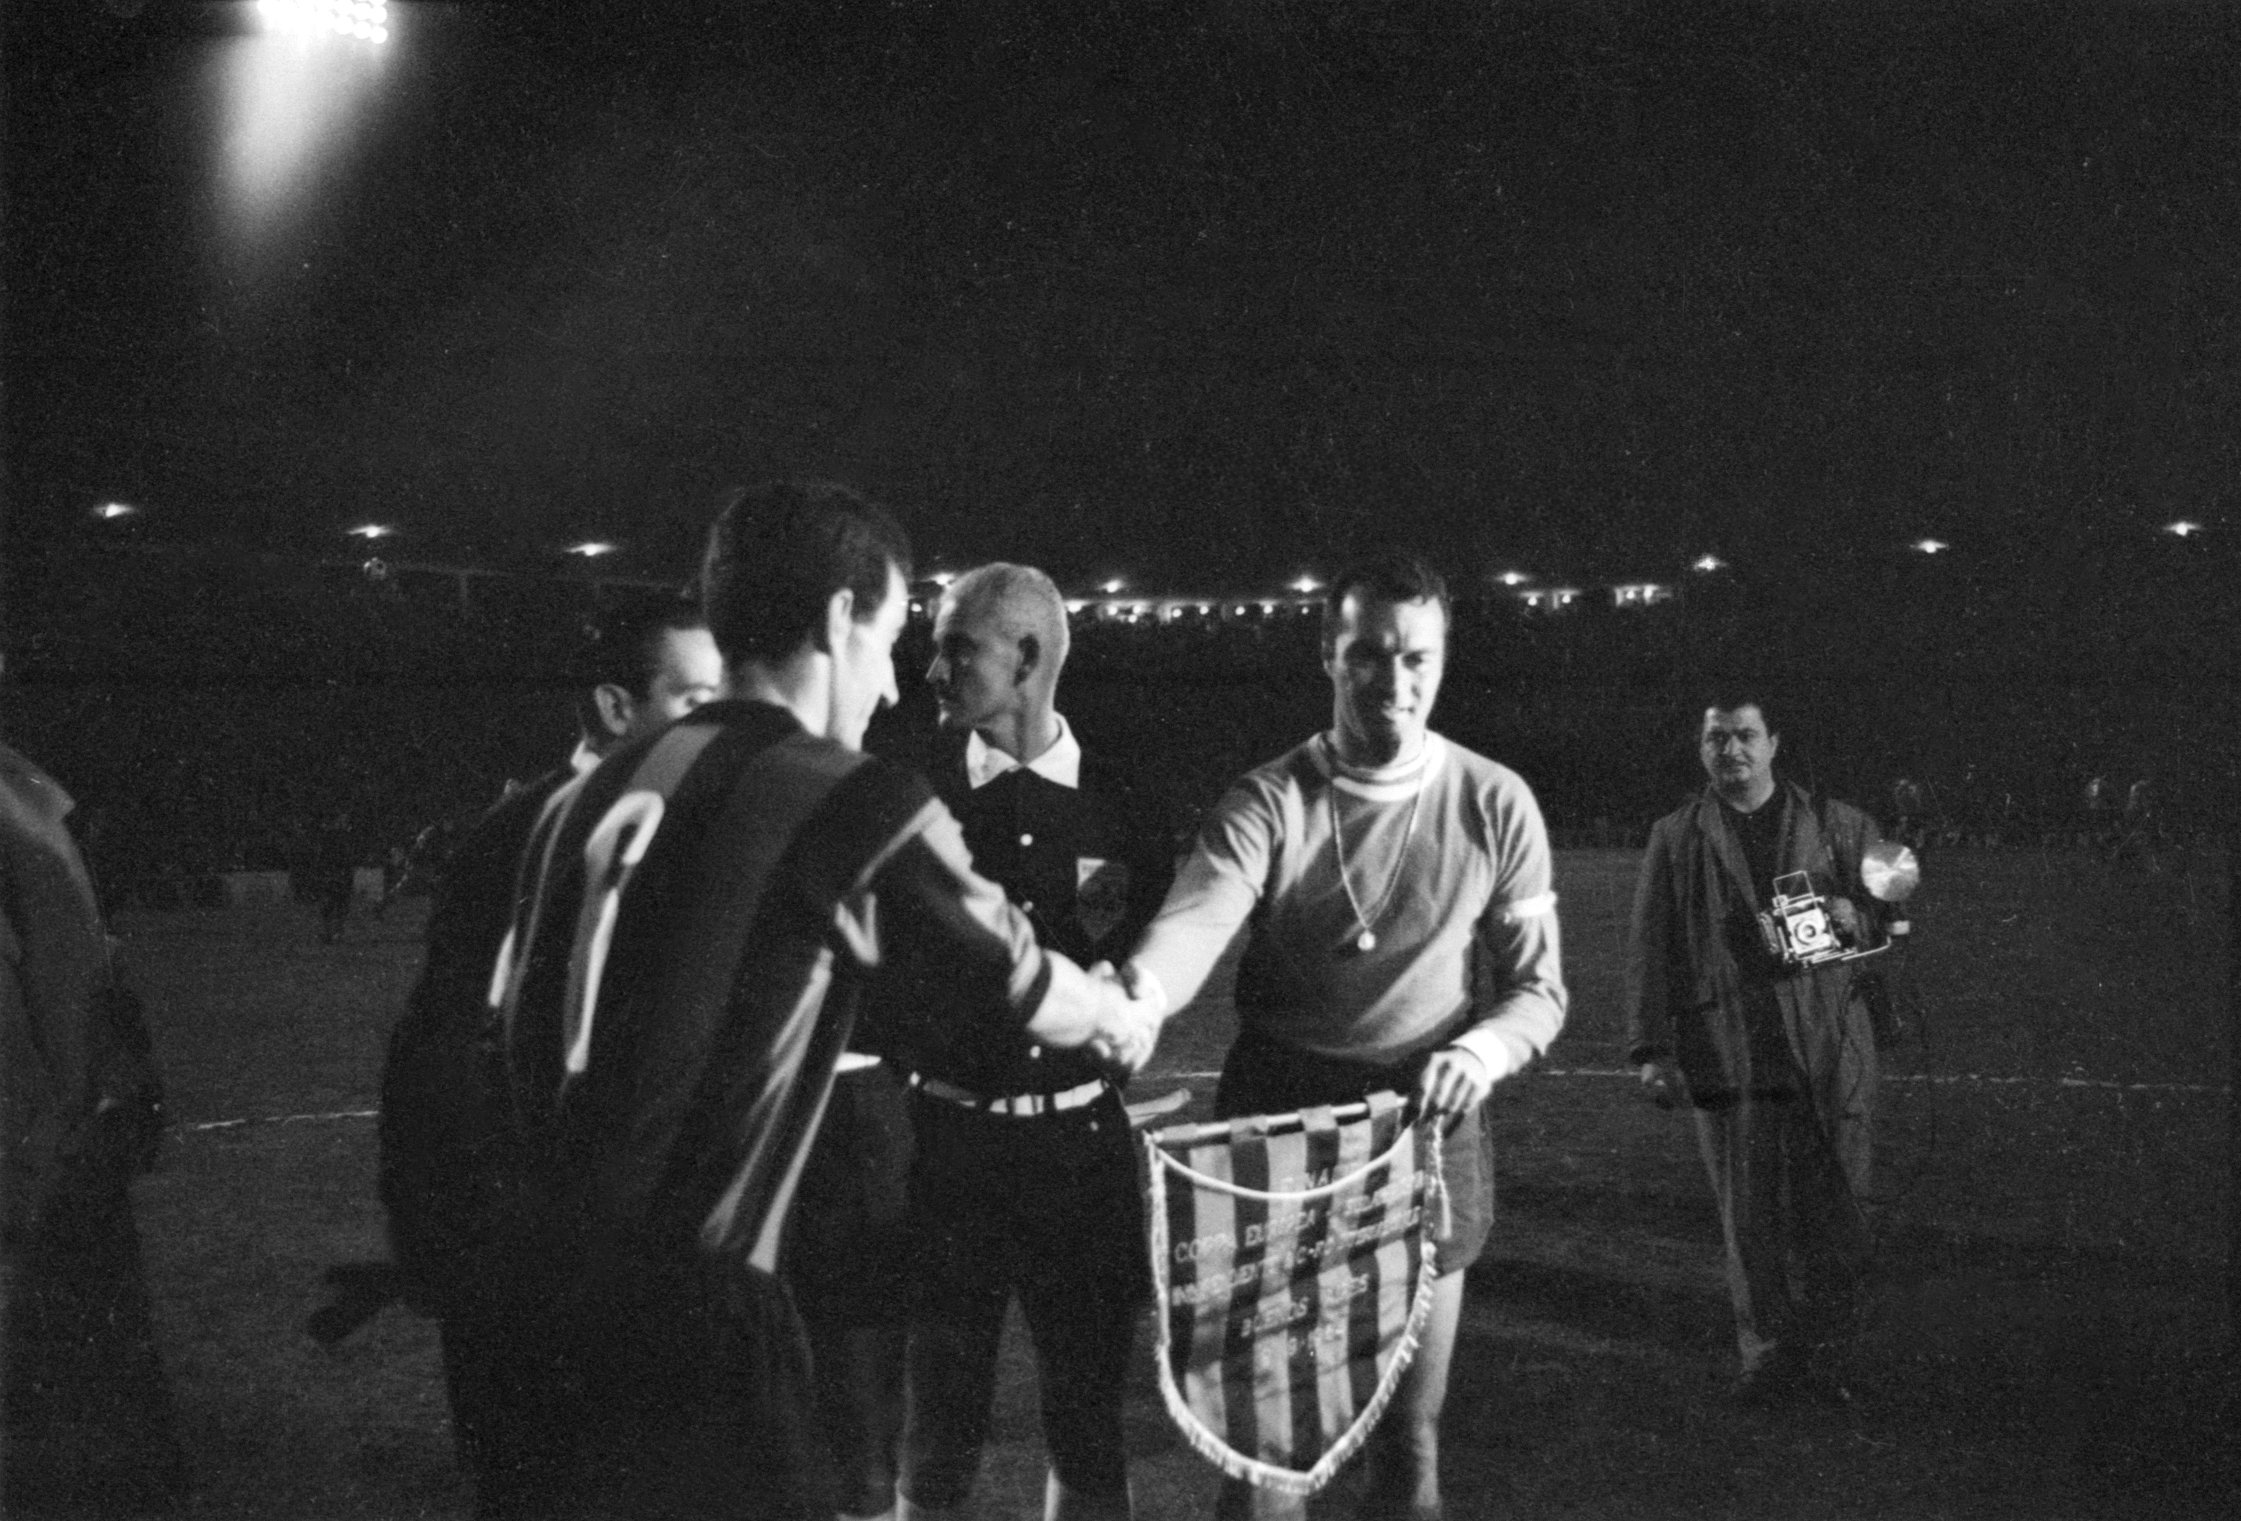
(89, 1420)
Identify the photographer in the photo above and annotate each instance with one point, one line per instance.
(1741, 999)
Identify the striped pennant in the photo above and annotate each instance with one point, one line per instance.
(1293, 1262)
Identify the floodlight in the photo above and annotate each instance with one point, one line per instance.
(2182, 529)
(590, 550)
(109, 512)
(1708, 563)
(1932, 546)
(1114, 587)
(1513, 578)
(944, 578)
(371, 531)
(1307, 584)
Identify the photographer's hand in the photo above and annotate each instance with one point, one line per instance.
(1845, 915)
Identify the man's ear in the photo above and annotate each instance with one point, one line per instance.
(1030, 659)
(616, 708)
(840, 611)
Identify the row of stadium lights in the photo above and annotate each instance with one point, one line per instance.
(1516, 580)
(366, 20)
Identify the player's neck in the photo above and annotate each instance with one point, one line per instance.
(802, 684)
(1358, 753)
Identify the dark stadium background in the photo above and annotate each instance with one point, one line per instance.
(1201, 294)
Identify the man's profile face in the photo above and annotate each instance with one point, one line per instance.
(1737, 750)
(975, 671)
(683, 671)
(1385, 662)
(687, 671)
(864, 664)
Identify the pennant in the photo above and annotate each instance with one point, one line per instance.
(1293, 1262)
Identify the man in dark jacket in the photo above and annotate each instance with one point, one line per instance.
(644, 664)
(1025, 1180)
(1773, 1049)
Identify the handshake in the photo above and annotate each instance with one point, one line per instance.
(1131, 1008)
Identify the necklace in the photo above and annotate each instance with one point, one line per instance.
(1367, 940)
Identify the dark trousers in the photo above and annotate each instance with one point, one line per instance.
(515, 1411)
(1044, 1207)
(848, 1260)
(699, 1402)
(1790, 1187)
(90, 1429)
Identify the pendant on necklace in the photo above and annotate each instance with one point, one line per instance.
(1366, 941)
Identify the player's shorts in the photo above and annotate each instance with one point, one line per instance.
(847, 1254)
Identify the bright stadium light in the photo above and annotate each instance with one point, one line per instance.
(366, 20)
(1932, 546)
(1307, 584)
(109, 512)
(296, 94)
(590, 549)
(1114, 587)
(1708, 563)
(944, 578)
(1513, 578)
(2182, 529)
(370, 531)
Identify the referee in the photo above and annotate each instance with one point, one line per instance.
(1025, 1181)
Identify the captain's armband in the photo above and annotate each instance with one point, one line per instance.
(1539, 906)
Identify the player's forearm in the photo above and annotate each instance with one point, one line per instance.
(1526, 1009)
(1204, 911)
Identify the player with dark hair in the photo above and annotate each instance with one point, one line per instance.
(644, 663)
(1774, 1051)
(710, 912)
(1403, 930)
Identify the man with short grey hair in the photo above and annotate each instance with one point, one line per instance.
(1025, 1180)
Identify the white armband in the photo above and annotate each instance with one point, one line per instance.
(1538, 906)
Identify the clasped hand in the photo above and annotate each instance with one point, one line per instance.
(1130, 1030)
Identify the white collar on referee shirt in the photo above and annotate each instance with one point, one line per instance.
(1060, 762)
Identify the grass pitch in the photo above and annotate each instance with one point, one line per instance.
(2047, 1338)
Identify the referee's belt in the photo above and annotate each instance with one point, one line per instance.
(1017, 1105)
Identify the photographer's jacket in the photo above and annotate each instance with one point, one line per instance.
(1701, 984)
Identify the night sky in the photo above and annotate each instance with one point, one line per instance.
(1205, 293)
